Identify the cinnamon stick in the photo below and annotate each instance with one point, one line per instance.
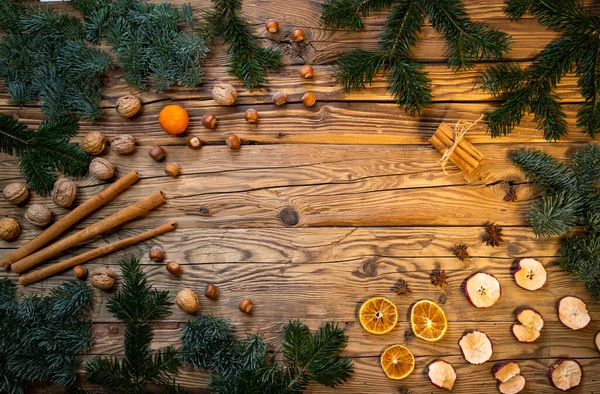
(130, 212)
(89, 206)
(37, 275)
(463, 144)
(457, 160)
(473, 162)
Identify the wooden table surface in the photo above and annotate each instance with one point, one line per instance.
(374, 206)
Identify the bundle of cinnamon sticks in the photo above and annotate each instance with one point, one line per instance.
(31, 254)
(464, 154)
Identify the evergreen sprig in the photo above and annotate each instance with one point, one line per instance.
(44, 151)
(43, 57)
(137, 304)
(148, 39)
(40, 336)
(570, 198)
(468, 42)
(249, 62)
(246, 366)
(532, 90)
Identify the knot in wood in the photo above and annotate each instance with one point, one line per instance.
(289, 216)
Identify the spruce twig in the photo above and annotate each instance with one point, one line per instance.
(531, 90)
(137, 304)
(249, 62)
(409, 84)
(44, 151)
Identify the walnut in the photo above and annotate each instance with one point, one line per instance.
(187, 301)
(64, 192)
(9, 229)
(16, 193)
(102, 168)
(93, 143)
(128, 106)
(38, 215)
(103, 278)
(123, 143)
(224, 94)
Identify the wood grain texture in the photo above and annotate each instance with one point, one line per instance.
(374, 206)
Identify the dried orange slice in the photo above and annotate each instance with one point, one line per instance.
(428, 321)
(378, 315)
(397, 362)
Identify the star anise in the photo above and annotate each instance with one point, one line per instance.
(401, 288)
(438, 278)
(493, 236)
(511, 196)
(460, 251)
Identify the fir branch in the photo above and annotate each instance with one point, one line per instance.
(409, 84)
(249, 63)
(545, 171)
(555, 214)
(532, 90)
(136, 304)
(43, 152)
(244, 366)
(40, 336)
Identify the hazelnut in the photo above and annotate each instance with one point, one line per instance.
(156, 253)
(309, 99)
(174, 268)
(122, 144)
(128, 106)
(297, 34)
(103, 278)
(16, 193)
(279, 98)
(93, 143)
(251, 115)
(187, 301)
(9, 229)
(64, 192)
(157, 153)
(209, 121)
(210, 291)
(80, 272)
(306, 71)
(245, 305)
(38, 215)
(172, 169)
(272, 26)
(224, 94)
(194, 142)
(233, 141)
(102, 168)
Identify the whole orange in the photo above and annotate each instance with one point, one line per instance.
(173, 119)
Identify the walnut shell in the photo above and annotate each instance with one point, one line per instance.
(187, 301)
(93, 143)
(9, 229)
(38, 215)
(16, 193)
(123, 143)
(103, 278)
(224, 94)
(128, 106)
(102, 168)
(64, 192)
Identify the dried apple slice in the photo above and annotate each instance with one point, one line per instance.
(482, 290)
(530, 274)
(512, 386)
(598, 340)
(506, 371)
(565, 374)
(476, 347)
(529, 326)
(573, 312)
(442, 374)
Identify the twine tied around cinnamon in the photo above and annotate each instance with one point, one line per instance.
(460, 129)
